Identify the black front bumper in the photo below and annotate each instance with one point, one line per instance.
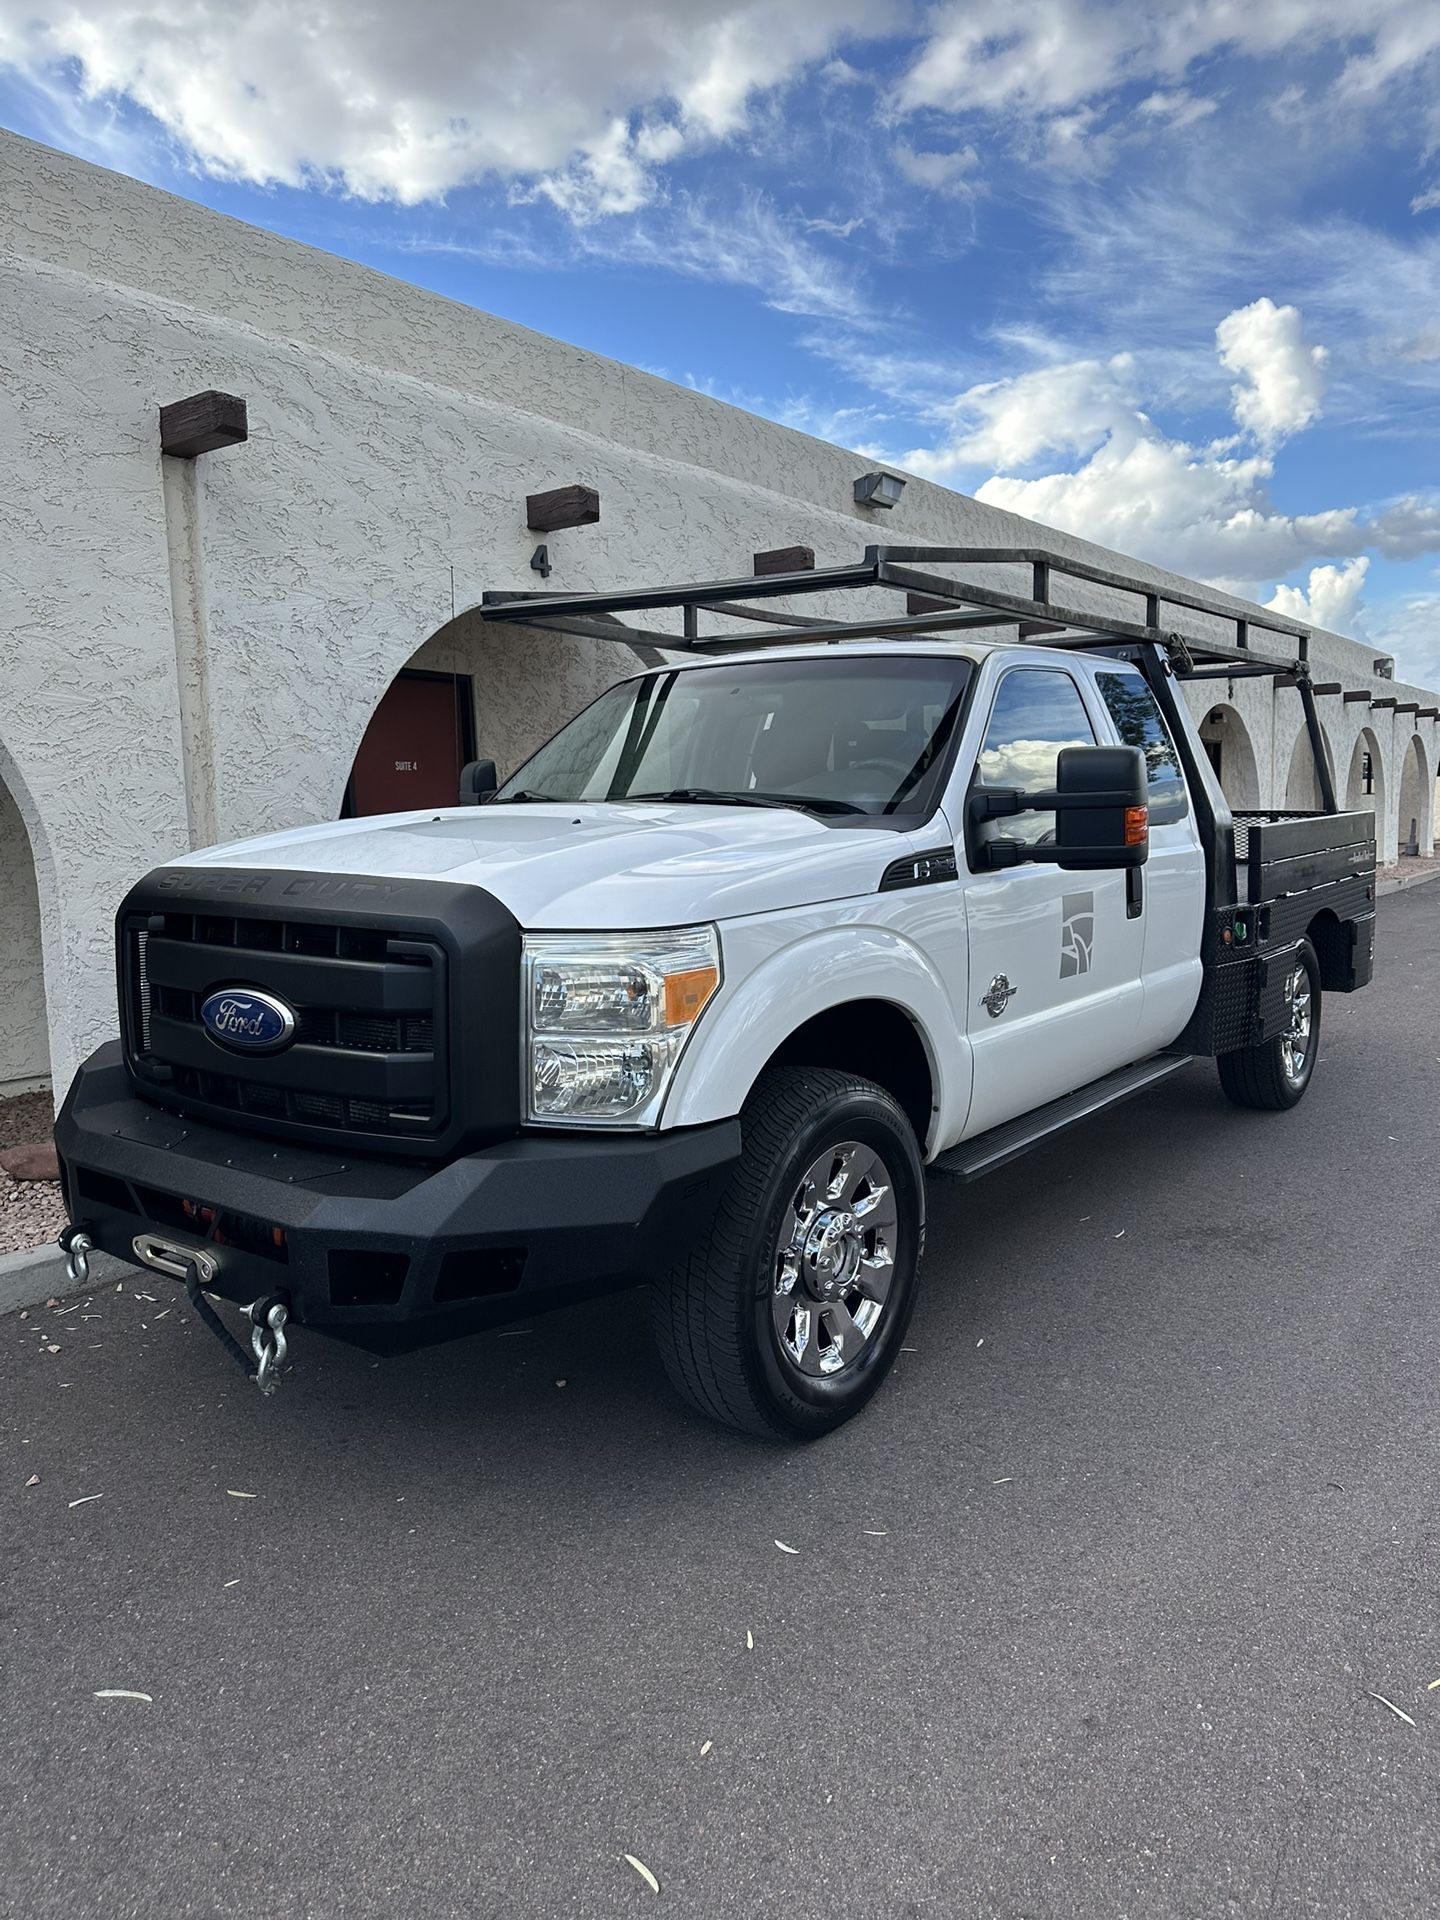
(389, 1254)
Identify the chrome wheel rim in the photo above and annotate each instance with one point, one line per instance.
(1295, 1041)
(836, 1261)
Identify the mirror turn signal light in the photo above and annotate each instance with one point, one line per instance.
(1137, 826)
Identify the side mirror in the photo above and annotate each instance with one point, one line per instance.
(1101, 807)
(477, 783)
(1102, 816)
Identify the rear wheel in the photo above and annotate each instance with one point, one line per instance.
(790, 1315)
(1275, 1075)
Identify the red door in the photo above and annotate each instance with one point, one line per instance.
(418, 739)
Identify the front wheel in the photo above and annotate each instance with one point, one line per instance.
(1275, 1074)
(790, 1315)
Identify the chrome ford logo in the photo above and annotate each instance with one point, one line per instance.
(250, 1021)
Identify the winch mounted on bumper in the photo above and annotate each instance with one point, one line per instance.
(386, 1254)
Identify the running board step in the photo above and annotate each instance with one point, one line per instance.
(987, 1151)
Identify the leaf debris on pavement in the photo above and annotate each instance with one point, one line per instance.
(784, 1549)
(1399, 1712)
(235, 1494)
(122, 1693)
(706, 1748)
(644, 1873)
(86, 1498)
(749, 1640)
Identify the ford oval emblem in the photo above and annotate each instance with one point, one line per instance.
(249, 1021)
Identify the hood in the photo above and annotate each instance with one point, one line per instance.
(593, 864)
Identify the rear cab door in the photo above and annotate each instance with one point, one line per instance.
(1171, 884)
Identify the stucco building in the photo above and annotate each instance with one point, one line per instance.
(194, 648)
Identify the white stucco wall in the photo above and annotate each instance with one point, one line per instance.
(193, 651)
(24, 1051)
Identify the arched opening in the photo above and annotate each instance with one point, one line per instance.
(24, 1036)
(1365, 784)
(1226, 740)
(1302, 789)
(474, 688)
(1417, 801)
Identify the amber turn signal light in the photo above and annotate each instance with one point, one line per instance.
(686, 993)
(1137, 826)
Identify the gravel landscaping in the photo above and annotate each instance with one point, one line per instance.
(31, 1211)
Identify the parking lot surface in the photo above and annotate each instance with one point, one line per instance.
(1123, 1599)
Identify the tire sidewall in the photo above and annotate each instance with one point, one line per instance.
(1305, 956)
(815, 1405)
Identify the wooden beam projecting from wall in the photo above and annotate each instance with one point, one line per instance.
(785, 560)
(561, 507)
(202, 423)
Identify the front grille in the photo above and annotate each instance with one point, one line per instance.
(369, 1054)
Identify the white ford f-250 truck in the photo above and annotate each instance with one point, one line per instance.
(702, 992)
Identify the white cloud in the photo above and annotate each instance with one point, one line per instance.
(1331, 597)
(1176, 107)
(405, 103)
(1183, 507)
(1205, 510)
(1033, 58)
(1427, 201)
(946, 173)
(1282, 377)
(1410, 629)
(746, 242)
(1067, 408)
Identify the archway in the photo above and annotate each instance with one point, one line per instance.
(1417, 798)
(474, 687)
(1302, 789)
(1226, 739)
(1365, 784)
(24, 1035)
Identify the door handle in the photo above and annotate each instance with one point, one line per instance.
(1134, 892)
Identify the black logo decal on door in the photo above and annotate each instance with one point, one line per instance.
(1077, 933)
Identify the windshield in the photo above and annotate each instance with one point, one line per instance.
(838, 737)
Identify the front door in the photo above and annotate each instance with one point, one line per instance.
(418, 739)
(1055, 957)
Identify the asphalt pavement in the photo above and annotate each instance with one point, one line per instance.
(1122, 1600)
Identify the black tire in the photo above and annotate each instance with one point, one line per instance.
(715, 1318)
(1262, 1076)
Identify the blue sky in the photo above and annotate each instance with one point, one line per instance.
(1166, 275)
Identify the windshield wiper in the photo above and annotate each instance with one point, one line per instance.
(714, 796)
(525, 793)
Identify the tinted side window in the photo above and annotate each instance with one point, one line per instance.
(1037, 711)
(1139, 724)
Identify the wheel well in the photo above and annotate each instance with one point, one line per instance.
(874, 1039)
(1332, 950)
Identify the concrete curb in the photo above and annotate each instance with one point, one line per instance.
(37, 1274)
(32, 1276)
(1403, 880)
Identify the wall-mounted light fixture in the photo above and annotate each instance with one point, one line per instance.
(878, 490)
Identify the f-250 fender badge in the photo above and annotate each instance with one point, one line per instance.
(998, 996)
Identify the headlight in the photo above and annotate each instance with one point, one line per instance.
(607, 1016)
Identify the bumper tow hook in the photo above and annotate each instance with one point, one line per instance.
(268, 1319)
(267, 1341)
(77, 1246)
